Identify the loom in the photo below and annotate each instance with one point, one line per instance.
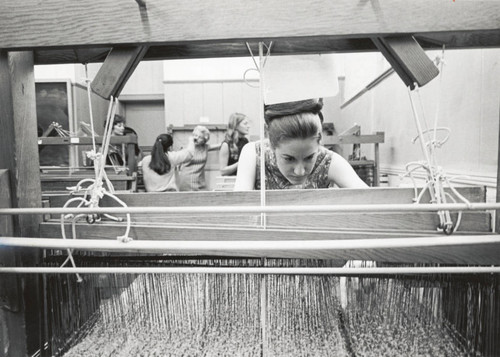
(265, 279)
(225, 285)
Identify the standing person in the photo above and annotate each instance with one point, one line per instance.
(192, 173)
(115, 155)
(158, 169)
(234, 140)
(294, 156)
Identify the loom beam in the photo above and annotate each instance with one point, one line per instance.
(468, 250)
(81, 32)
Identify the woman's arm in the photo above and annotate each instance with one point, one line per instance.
(182, 156)
(247, 164)
(179, 157)
(342, 173)
(224, 168)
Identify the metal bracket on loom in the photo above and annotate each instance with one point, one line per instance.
(408, 59)
(117, 68)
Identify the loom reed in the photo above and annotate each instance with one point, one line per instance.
(304, 315)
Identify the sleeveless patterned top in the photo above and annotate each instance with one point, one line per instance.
(192, 173)
(318, 178)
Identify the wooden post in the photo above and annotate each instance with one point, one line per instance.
(376, 168)
(131, 161)
(19, 155)
(497, 212)
(12, 333)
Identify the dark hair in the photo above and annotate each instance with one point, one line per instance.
(117, 119)
(232, 135)
(279, 110)
(159, 157)
(293, 120)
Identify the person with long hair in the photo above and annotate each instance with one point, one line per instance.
(294, 156)
(158, 169)
(234, 140)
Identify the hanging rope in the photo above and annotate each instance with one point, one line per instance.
(436, 179)
(92, 188)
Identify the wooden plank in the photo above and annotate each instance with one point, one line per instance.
(408, 59)
(33, 24)
(281, 46)
(374, 195)
(381, 224)
(386, 223)
(116, 70)
(76, 178)
(86, 140)
(451, 253)
(470, 221)
(60, 183)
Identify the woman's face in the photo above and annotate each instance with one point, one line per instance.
(199, 138)
(118, 128)
(296, 158)
(243, 127)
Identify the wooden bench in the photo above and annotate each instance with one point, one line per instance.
(224, 183)
(52, 183)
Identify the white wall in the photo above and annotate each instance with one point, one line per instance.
(221, 69)
(467, 97)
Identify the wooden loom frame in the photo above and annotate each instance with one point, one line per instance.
(34, 32)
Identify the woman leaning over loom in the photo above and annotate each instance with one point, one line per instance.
(234, 140)
(294, 156)
(158, 169)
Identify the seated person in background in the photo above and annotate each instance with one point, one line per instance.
(115, 155)
(192, 173)
(233, 143)
(158, 169)
(294, 156)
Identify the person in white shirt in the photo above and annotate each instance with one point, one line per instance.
(158, 169)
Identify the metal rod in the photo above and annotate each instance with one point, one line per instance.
(255, 270)
(246, 245)
(374, 208)
(263, 218)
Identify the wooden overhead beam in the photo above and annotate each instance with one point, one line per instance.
(407, 59)
(281, 46)
(46, 24)
(116, 70)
